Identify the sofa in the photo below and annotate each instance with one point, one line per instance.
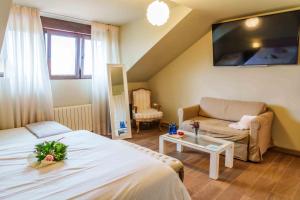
(214, 115)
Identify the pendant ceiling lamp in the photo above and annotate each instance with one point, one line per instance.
(158, 13)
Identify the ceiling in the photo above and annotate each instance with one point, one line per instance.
(169, 47)
(225, 9)
(119, 12)
(116, 12)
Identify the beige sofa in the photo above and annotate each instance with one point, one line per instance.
(214, 116)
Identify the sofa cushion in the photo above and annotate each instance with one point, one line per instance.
(217, 128)
(231, 110)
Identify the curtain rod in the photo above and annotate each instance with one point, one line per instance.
(64, 17)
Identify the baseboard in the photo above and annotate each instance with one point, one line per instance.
(164, 124)
(287, 151)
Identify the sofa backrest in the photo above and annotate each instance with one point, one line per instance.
(231, 110)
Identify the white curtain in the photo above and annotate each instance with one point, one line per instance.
(25, 95)
(105, 50)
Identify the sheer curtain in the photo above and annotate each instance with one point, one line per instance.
(105, 50)
(25, 95)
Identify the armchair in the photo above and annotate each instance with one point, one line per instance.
(143, 111)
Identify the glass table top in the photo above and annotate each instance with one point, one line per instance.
(201, 140)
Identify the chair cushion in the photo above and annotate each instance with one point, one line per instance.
(216, 128)
(230, 110)
(148, 114)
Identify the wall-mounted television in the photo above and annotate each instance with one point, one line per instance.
(263, 40)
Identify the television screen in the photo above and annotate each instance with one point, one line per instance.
(263, 40)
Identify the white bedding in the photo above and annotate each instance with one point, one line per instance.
(97, 168)
(15, 136)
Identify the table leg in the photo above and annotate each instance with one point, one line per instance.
(214, 166)
(179, 147)
(161, 145)
(229, 154)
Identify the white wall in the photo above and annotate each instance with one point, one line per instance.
(4, 12)
(191, 76)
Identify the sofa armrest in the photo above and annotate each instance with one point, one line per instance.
(260, 135)
(188, 113)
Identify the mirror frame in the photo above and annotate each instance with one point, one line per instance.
(110, 100)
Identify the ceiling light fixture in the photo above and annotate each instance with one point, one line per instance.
(158, 13)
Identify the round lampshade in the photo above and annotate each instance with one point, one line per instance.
(158, 13)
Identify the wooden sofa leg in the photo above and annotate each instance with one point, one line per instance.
(137, 126)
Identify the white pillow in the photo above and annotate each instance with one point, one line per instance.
(244, 123)
(47, 128)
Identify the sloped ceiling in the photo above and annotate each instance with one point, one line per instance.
(138, 37)
(182, 36)
(194, 26)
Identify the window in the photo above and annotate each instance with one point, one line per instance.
(69, 49)
(63, 55)
(87, 58)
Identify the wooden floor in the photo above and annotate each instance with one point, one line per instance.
(277, 177)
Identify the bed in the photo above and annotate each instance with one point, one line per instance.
(96, 168)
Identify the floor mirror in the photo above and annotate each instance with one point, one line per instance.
(118, 102)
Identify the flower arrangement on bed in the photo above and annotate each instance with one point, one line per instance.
(48, 152)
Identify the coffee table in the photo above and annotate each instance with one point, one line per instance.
(204, 143)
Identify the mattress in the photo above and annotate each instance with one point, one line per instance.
(96, 168)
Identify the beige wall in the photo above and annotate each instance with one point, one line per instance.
(137, 37)
(78, 92)
(118, 89)
(136, 85)
(4, 12)
(191, 76)
(71, 92)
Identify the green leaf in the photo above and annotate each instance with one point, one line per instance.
(55, 148)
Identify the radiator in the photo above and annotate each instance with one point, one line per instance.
(75, 117)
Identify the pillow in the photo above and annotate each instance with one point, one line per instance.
(47, 128)
(243, 124)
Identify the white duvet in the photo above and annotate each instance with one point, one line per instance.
(96, 168)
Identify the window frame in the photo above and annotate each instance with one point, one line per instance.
(69, 29)
(77, 49)
(82, 57)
